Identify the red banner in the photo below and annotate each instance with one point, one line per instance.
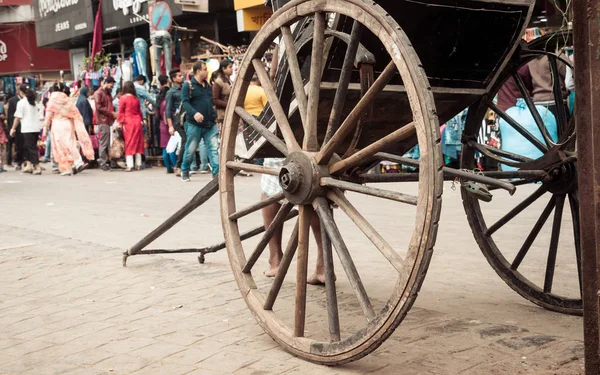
(13, 3)
(19, 53)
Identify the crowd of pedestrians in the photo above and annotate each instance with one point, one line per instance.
(77, 127)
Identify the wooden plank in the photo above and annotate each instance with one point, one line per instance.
(587, 101)
(382, 144)
(302, 270)
(380, 193)
(284, 266)
(292, 58)
(376, 239)
(264, 241)
(330, 289)
(256, 206)
(310, 142)
(350, 122)
(345, 258)
(252, 168)
(280, 115)
(345, 76)
(262, 130)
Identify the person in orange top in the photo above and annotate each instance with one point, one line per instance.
(256, 99)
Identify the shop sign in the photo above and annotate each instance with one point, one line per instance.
(19, 53)
(253, 19)
(244, 4)
(61, 20)
(123, 14)
(15, 3)
(3, 51)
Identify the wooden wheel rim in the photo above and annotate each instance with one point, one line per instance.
(398, 47)
(478, 223)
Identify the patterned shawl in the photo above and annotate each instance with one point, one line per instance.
(61, 105)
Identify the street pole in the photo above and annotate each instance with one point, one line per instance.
(587, 82)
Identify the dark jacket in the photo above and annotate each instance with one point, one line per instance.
(104, 107)
(201, 101)
(84, 107)
(173, 103)
(12, 108)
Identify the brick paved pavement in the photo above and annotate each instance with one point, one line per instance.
(68, 307)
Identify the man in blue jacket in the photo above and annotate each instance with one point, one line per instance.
(200, 120)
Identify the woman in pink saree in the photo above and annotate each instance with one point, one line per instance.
(66, 124)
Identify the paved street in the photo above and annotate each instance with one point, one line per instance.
(68, 307)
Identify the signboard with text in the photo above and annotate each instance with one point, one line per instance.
(58, 21)
(15, 3)
(123, 14)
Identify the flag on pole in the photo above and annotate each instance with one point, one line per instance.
(97, 40)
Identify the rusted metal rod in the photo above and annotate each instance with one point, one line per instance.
(454, 173)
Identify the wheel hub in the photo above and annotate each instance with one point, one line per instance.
(299, 177)
(562, 179)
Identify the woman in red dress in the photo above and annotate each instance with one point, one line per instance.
(130, 118)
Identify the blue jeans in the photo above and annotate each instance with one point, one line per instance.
(170, 159)
(203, 156)
(48, 152)
(211, 139)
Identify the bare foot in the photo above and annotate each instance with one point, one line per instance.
(316, 279)
(271, 272)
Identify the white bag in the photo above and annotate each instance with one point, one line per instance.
(174, 144)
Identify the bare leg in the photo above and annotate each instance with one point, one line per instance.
(275, 252)
(318, 277)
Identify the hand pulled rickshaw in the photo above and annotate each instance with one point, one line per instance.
(359, 82)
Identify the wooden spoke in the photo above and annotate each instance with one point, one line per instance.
(533, 235)
(536, 115)
(574, 203)
(350, 122)
(292, 58)
(284, 266)
(385, 194)
(253, 168)
(256, 206)
(558, 98)
(380, 243)
(345, 76)
(330, 289)
(280, 115)
(515, 211)
(262, 244)
(345, 258)
(302, 270)
(262, 130)
(372, 149)
(311, 142)
(519, 128)
(551, 264)
(500, 152)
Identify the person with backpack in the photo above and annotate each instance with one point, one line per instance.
(172, 111)
(200, 117)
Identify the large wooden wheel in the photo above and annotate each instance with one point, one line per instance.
(304, 320)
(542, 261)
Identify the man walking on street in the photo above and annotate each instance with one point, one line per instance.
(200, 120)
(172, 113)
(105, 116)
